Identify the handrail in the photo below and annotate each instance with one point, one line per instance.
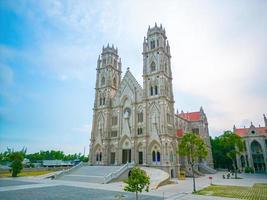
(68, 170)
(118, 172)
(206, 167)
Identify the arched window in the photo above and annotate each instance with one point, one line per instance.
(114, 82)
(158, 156)
(154, 156)
(100, 156)
(104, 101)
(152, 67)
(256, 147)
(156, 90)
(96, 157)
(151, 90)
(103, 81)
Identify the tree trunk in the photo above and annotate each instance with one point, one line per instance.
(194, 183)
(136, 195)
(235, 170)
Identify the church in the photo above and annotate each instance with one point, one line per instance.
(134, 123)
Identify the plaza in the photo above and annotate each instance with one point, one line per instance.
(42, 189)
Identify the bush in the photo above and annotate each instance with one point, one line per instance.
(249, 170)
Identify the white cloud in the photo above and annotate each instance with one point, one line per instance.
(218, 48)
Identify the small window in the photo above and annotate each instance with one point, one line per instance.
(158, 156)
(157, 43)
(154, 156)
(153, 67)
(100, 156)
(103, 101)
(139, 131)
(195, 130)
(151, 91)
(152, 44)
(156, 90)
(114, 82)
(253, 132)
(114, 133)
(103, 81)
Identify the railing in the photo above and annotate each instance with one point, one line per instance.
(63, 172)
(207, 168)
(118, 172)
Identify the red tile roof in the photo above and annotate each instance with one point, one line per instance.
(192, 116)
(179, 132)
(244, 131)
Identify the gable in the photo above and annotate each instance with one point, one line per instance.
(128, 87)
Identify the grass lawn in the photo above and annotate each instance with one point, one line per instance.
(26, 173)
(257, 192)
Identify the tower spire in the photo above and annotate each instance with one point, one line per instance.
(265, 120)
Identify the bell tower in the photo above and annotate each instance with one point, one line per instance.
(158, 93)
(108, 78)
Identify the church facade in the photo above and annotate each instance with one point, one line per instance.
(255, 152)
(134, 123)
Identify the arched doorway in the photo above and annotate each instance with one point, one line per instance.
(257, 156)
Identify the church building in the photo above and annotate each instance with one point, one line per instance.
(134, 123)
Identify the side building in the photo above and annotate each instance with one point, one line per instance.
(255, 154)
(195, 122)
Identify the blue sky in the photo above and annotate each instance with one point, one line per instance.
(48, 53)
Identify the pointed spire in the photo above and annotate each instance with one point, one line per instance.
(234, 128)
(160, 26)
(177, 112)
(265, 120)
(112, 46)
(156, 24)
(108, 45)
(201, 109)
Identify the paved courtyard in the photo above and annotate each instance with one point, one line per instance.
(43, 189)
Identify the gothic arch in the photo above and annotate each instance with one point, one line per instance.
(153, 143)
(257, 156)
(123, 141)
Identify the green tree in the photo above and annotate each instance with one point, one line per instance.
(192, 147)
(219, 154)
(234, 146)
(16, 166)
(137, 181)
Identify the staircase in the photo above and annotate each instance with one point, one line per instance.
(157, 177)
(206, 169)
(116, 174)
(90, 174)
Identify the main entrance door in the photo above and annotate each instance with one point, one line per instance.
(126, 155)
(140, 157)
